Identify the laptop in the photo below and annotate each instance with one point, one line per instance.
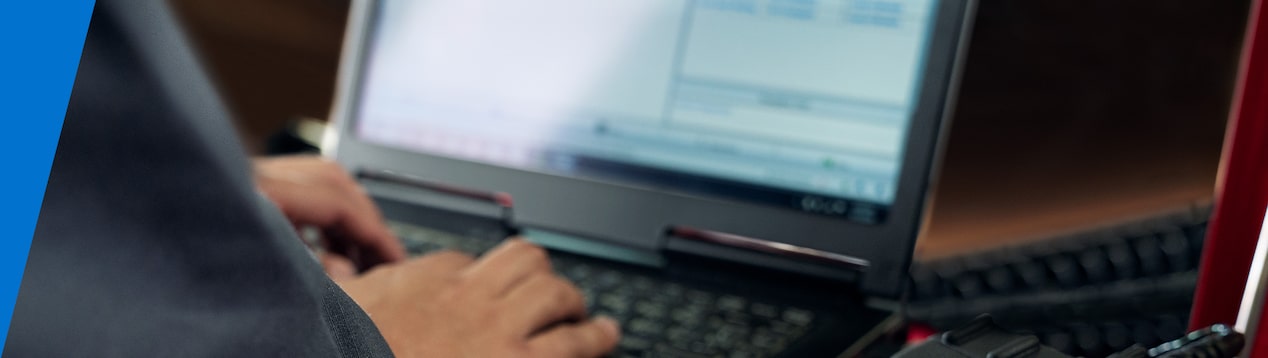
(727, 178)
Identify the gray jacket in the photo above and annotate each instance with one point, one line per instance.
(152, 241)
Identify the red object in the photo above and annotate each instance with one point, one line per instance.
(1242, 190)
(917, 333)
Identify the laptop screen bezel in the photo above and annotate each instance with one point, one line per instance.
(637, 217)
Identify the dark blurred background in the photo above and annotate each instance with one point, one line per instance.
(1076, 113)
(273, 60)
(1071, 113)
(1081, 130)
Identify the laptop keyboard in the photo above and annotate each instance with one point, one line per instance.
(1087, 294)
(659, 318)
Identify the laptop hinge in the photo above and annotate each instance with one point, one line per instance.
(754, 251)
(502, 201)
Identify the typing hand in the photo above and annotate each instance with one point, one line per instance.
(507, 304)
(312, 191)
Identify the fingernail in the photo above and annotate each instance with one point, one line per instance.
(608, 325)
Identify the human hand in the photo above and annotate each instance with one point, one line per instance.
(313, 191)
(508, 304)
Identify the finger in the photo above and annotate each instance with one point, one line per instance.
(317, 192)
(363, 223)
(366, 251)
(339, 268)
(542, 300)
(591, 338)
(349, 249)
(351, 215)
(506, 265)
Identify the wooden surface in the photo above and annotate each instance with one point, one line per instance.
(1071, 114)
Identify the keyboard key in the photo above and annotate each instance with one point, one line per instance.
(634, 343)
(680, 334)
(644, 327)
(1065, 270)
(588, 294)
(1033, 274)
(1196, 233)
(618, 305)
(643, 284)
(1001, 279)
(729, 335)
(969, 285)
(768, 341)
(470, 247)
(698, 297)
(798, 317)
(688, 340)
(672, 291)
(1175, 247)
(1197, 237)
(687, 315)
(764, 310)
(651, 309)
(731, 303)
(608, 279)
(738, 317)
(578, 272)
(1123, 259)
(1150, 255)
(665, 350)
(785, 328)
(1096, 265)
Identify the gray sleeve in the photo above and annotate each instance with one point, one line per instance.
(151, 240)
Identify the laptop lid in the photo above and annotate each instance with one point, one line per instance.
(803, 126)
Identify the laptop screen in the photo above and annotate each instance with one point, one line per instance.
(800, 104)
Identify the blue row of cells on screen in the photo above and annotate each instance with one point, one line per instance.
(878, 13)
(792, 9)
(737, 6)
(874, 13)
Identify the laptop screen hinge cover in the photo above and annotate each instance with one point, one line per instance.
(755, 251)
(502, 201)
